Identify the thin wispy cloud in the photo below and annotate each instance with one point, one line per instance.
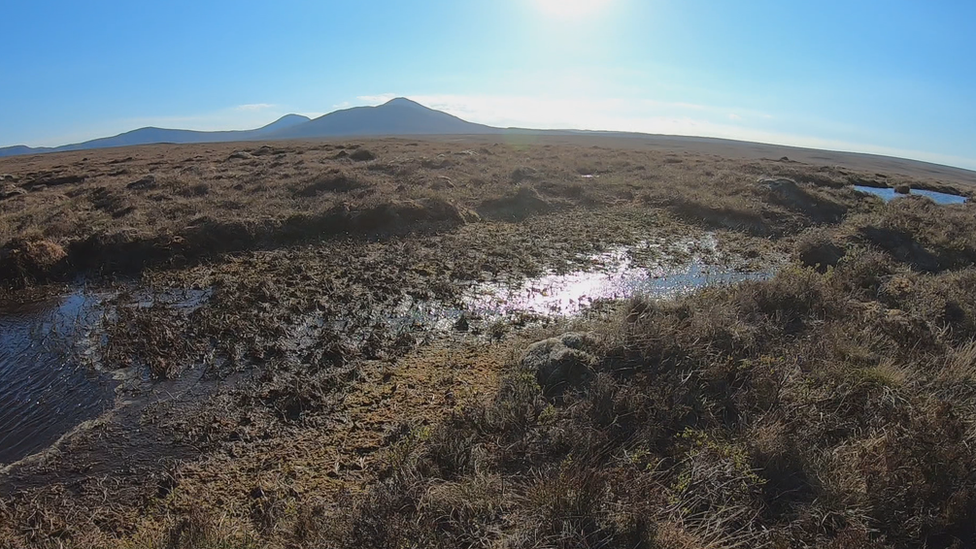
(233, 118)
(691, 106)
(620, 114)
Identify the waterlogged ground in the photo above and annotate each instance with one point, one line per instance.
(887, 193)
(661, 271)
(53, 376)
(52, 371)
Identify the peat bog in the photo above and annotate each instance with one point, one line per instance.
(469, 343)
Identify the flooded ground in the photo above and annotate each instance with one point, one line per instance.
(888, 193)
(45, 390)
(50, 376)
(613, 275)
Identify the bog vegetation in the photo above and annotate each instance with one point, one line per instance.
(833, 405)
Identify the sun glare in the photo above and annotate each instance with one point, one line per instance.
(571, 9)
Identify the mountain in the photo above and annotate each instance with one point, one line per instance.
(396, 117)
(286, 121)
(399, 116)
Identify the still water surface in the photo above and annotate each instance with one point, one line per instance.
(889, 194)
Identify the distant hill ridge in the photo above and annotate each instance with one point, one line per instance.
(398, 116)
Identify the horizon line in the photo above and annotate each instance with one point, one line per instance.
(914, 156)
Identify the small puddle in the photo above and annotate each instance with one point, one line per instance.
(45, 391)
(569, 294)
(888, 194)
(613, 275)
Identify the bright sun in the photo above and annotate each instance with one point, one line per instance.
(571, 8)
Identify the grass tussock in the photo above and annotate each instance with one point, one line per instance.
(921, 233)
(26, 260)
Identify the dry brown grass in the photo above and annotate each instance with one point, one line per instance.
(125, 209)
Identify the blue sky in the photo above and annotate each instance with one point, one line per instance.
(893, 77)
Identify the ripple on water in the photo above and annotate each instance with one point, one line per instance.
(44, 390)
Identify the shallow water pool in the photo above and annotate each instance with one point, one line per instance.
(613, 275)
(888, 193)
(44, 389)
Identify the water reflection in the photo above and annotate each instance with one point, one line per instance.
(613, 276)
(888, 193)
